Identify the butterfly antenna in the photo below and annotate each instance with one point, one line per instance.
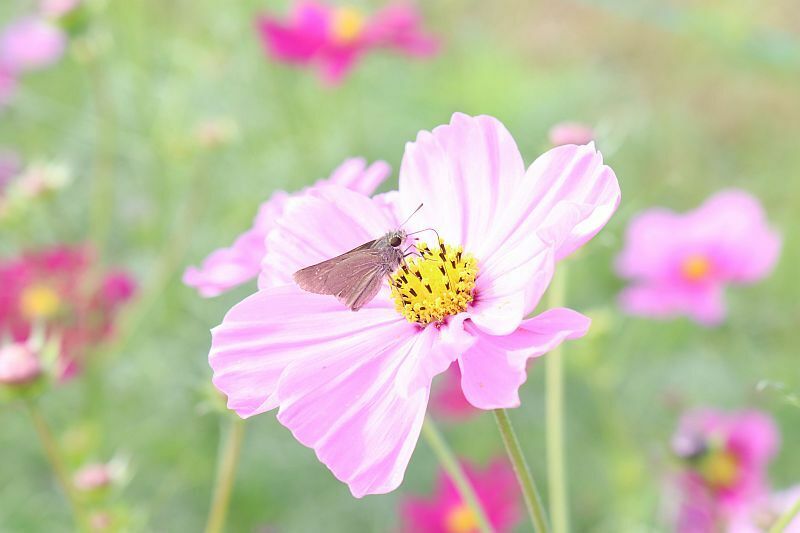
(411, 215)
(428, 229)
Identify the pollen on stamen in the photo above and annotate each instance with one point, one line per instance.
(442, 284)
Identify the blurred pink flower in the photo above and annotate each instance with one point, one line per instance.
(571, 133)
(332, 38)
(30, 44)
(447, 398)
(226, 268)
(19, 364)
(58, 287)
(726, 457)
(679, 264)
(355, 386)
(445, 512)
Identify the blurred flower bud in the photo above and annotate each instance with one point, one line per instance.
(570, 133)
(42, 178)
(19, 365)
(57, 8)
(10, 166)
(215, 132)
(100, 521)
(8, 85)
(93, 477)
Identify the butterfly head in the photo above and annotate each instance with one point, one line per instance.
(396, 238)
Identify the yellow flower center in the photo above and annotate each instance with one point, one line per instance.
(435, 285)
(39, 302)
(695, 267)
(461, 519)
(348, 24)
(720, 469)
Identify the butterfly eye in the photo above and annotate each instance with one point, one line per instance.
(395, 241)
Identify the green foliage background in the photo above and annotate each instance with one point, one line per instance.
(688, 97)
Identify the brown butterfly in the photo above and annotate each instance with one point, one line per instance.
(355, 277)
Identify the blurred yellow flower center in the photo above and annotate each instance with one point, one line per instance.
(461, 519)
(39, 302)
(435, 285)
(348, 24)
(720, 469)
(696, 267)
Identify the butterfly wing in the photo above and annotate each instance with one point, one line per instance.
(357, 279)
(315, 277)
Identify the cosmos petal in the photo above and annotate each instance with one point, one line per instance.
(326, 222)
(495, 367)
(264, 333)
(464, 172)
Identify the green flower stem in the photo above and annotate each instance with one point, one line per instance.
(554, 377)
(453, 468)
(102, 176)
(531, 496)
(53, 455)
(784, 521)
(229, 453)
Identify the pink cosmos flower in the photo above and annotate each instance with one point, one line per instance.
(332, 39)
(228, 267)
(445, 512)
(59, 288)
(726, 457)
(571, 133)
(679, 264)
(30, 43)
(354, 386)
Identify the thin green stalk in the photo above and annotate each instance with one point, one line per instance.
(554, 377)
(784, 521)
(53, 455)
(453, 468)
(102, 183)
(229, 453)
(529, 493)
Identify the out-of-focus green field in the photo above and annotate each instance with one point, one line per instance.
(688, 97)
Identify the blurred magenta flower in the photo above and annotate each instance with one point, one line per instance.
(445, 512)
(30, 43)
(226, 268)
(332, 39)
(726, 457)
(59, 288)
(355, 386)
(679, 264)
(19, 364)
(571, 133)
(447, 398)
